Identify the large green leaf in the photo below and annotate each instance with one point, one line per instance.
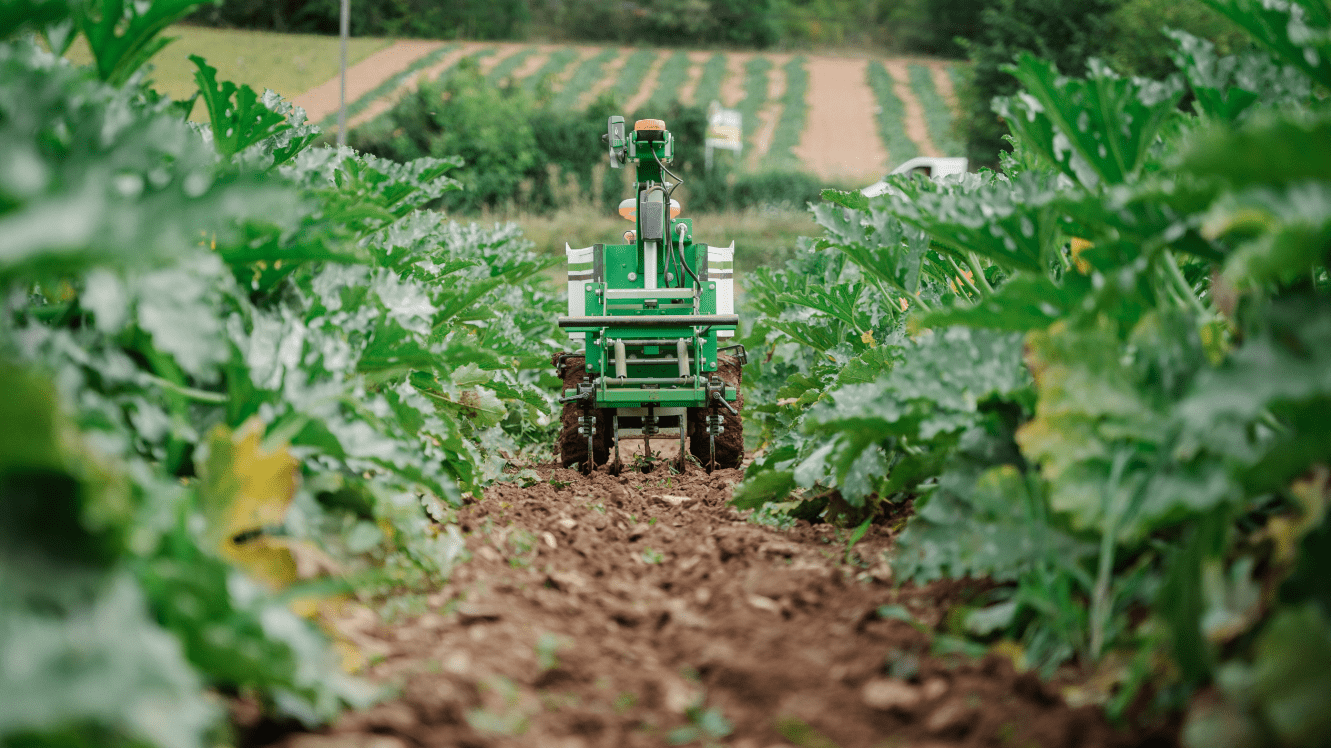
(1296, 31)
(123, 36)
(1097, 129)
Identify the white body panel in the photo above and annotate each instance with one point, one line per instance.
(579, 272)
(721, 271)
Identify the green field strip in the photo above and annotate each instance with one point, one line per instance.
(954, 72)
(506, 66)
(583, 78)
(448, 72)
(631, 75)
(794, 114)
(554, 65)
(672, 76)
(390, 84)
(891, 116)
(755, 95)
(937, 114)
(709, 84)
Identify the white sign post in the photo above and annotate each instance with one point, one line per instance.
(725, 130)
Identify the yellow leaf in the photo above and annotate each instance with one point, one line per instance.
(1080, 245)
(244, 489)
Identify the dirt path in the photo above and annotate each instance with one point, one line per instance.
(840, 138)
(609, 76)
(771, 111)
(648, 85)
(916, 127)
(732, 88)
(943, 82)
(617, 611)
(384, 103)
(363, 77)
(696, 62)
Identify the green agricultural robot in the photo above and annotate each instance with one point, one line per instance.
(654, 316)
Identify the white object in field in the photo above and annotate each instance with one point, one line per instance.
(721, 271)
(725, 130)
(579, 272)
(933, 167)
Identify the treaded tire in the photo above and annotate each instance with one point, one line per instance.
(572, 445)
(730, 444)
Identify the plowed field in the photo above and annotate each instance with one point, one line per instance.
(840, 140)
(642, 610)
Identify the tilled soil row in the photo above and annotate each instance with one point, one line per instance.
(636, 611)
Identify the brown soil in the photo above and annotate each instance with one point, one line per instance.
(696, 62)
(533, 63)
(362, 77)
(609, 74)
(840, 140)
(770, 113)
(603, 611)
(943, 82)
(648, 86)
(916, 128)
(732, 87)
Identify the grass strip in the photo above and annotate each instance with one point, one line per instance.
(631, 75)
(709, 84)
(937, 114)
(474, 57)
(755, 95)
(891, 116)
(583, 78)
(554, 64)
(505, 67)
(390, 84)
(794, 113)
(672, 76)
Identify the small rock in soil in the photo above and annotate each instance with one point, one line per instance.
(952, 716)
(933, 688)
(765, 603)
(669, 500)
(887, 694)
(469, 614)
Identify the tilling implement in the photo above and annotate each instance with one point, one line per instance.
(654, 314)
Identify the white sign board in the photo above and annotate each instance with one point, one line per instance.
(725, 130)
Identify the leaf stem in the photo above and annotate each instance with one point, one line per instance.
(961, 274)
(979, 271)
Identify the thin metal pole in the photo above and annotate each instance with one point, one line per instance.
(342, 94)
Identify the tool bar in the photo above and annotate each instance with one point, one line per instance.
(657, 320)
(649, 293)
